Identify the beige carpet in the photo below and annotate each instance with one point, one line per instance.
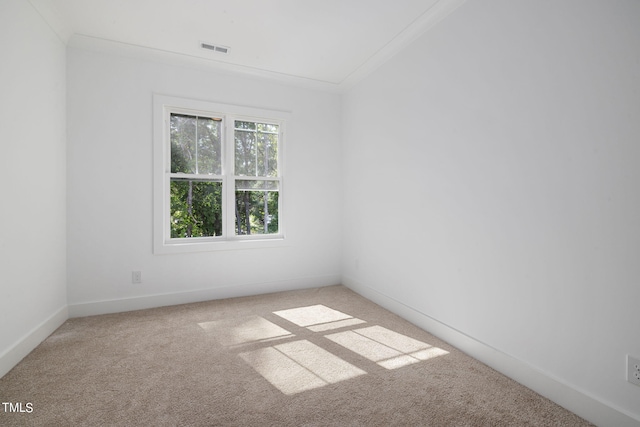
(318, 357)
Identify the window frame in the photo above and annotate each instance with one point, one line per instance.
(163, 243)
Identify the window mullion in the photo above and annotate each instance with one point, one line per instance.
(166, 178)
(167, 206)
(229, 179)
(201, 177)
(196, 143)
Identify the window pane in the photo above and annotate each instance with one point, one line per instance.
(195, 144)
(245, 142)
(256, 207)
(183, 143)
(209, 151)
(196, 208)
(266, 127)
(242, 184)
(267, 148)
(256, 149)
(245, 125)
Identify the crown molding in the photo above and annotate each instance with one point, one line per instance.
(436, 13)
(409, 34)
(53, 18)
(94, 44)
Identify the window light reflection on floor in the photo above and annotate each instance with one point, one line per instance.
(234, 331)
(298, 366)
(318, 318)
(387, 348)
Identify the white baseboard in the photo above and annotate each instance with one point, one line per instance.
(578, 402)
(15, 354)
(161, 300)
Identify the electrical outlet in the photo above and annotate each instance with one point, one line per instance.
(633, 370)
(136, 277)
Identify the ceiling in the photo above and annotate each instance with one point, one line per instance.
(327, 42)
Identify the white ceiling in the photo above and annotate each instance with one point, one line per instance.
(326, 42)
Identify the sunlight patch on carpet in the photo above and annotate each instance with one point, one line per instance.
(318, 318)
(387, 348)
(237, 331)
(298, 366)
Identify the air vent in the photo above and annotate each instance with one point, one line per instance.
(215, 48)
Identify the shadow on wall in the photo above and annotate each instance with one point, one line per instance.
(294, 365)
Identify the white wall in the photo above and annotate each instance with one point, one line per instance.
(491, 182)
(32, 172)
(110, 187)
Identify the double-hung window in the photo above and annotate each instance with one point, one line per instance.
(217, 175)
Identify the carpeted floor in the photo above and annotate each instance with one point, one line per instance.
(318, 357)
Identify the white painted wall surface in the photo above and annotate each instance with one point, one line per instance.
(32, 175)
(492, 182)
(110, 184)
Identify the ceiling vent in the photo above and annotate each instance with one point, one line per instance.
(215, 48)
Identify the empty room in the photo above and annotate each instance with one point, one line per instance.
(322, 213)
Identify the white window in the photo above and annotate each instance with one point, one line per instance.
(217, 176)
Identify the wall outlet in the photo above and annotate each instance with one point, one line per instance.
(136, 277)
(633, 370)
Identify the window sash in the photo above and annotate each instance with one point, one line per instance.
(229, 182)
(196, 208)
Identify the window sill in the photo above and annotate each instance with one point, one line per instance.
(176, 247)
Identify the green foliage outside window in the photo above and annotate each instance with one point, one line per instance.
(256, 212)
(196, 208)
(196, 201)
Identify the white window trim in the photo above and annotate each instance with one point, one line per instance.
(162, 241)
